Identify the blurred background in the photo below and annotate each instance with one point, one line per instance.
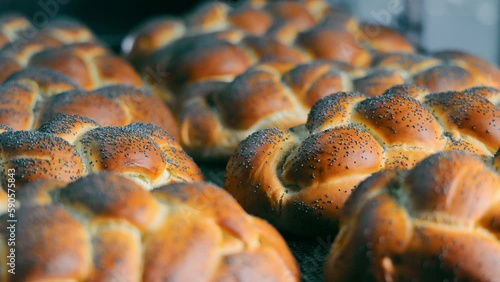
(467, 25)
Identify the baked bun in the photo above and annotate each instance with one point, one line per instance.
(113, 229)
(254, 18)
(35, 95)
(219, 67)
(223, 56)
(65, 45)
(90, 65)
(20, 40)
(299, 179)
(9, 66)
(215, 116)
(219, 42)
(69, 147)
(436, 222)
(444, 71)
(16, 28)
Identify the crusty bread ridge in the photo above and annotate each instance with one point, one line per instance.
(299, 179)
(438, 221)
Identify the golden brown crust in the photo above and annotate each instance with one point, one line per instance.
(444, 78)
(117, 105)
(213, 123)
(68, 30)
(270, 49)
(68, 147)
(45, 81)
(331, 43)
(333, 111)
(410, 62)
(216, 116)
(112, 70)
(39, 258)
(69, 127)
(16, 106)
(27, 41)
(292, 12)
(377, 82)
(30, 154)
(313, 48)
(384, 39)
(313, 81)
(319, 159)
(9, 66)
(467, 115)
(114, 229)
(90, 65)
(433, 222)
(224, 113)
(14, 26)
(234, 102)
(201, 130)
(149, 37)
(208, 58)
(490, 93)
(36, 95)
(483, 72)
(23, 49)
(264, 203)
(102, 109)
(399, 121)
(412, 90)
(251, 20)
(209, 16)
(299, 180)
(71, 66)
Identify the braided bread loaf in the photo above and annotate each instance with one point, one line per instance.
(90, 65)
(436, 222)
(279, 19)
(107, 228)
(299, 179)
(20, 40)
(215, 116)
(35, 95)
(69, 147)
(17, 29)
(218, 42)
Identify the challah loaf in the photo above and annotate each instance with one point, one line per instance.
(218, 42)
(299, 179)
(64, 45)
(436, 222)
(35, 95)
(281, 19)
(90, 65)
(20, 40)
(215, 116)
(69, 147)
(107, 228)
(17, 29)
(444, 71)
